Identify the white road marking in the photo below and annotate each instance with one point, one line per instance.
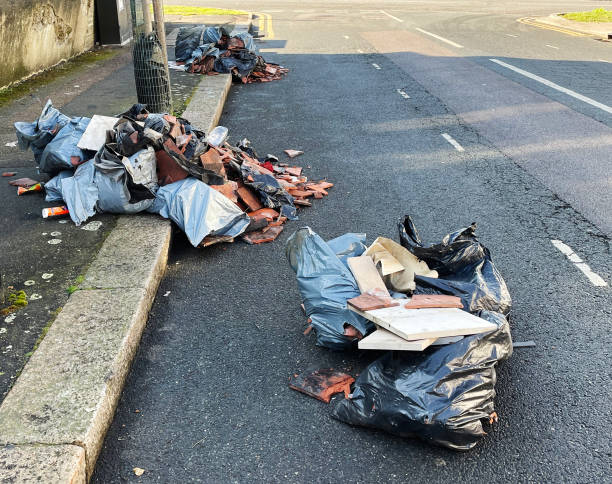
(403, 94)
(551, 46)
(562, 89)
(568, 252)
(391, 16)
(377, 67)
(511, 35)
(345, 36)
(454, 44)
(452, 141)
(603, 60)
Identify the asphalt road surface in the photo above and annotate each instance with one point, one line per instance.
(207, 398)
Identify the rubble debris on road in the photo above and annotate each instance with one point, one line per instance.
(293, 153)
(322, 384)
(155, 162)
(212, 50)
(443, 333)
(23, 182)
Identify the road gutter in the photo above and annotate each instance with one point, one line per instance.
(54, 419)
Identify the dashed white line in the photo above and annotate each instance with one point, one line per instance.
(391, 16)
(377, 67)
(562, 89)
(454, 44)
(403, 94)
(603, 60)
(551, 46)
(511, 35)
(452, 141)
(568, 252)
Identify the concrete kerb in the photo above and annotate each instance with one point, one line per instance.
(598, 29)
(54, 419)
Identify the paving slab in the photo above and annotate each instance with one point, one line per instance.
(43, 463)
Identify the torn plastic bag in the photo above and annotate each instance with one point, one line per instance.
(204, 50)
(199, 210)
(464, 267)
(442, 396)
(81, 193)
(59, 152)
(38, 134)
(137, 112)
(157, 122)
(325, 284)
(125, 185)
(130, 137)
(348, 245)
(187, 40)
(53, 188)
(243, 61)
(271, 194)
(247, 39)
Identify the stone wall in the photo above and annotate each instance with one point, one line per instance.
(37, 34)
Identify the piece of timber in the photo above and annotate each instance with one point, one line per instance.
(426, 323)
(366, 275)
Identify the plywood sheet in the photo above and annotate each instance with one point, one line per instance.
(366, 275)
(94, 136)
(426, 323)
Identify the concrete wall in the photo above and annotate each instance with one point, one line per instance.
(37, 34)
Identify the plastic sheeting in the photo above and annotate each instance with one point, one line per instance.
(81, 193)
(442, 395)
(38, 134)
(247, 39)
(58, 153)
(53, 188)
(243, 61)
(187, 40)
(125, 185)
(325, 284)
(199, 210)
(348, 245)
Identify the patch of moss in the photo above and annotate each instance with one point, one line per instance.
(71, 66)
(16, 300)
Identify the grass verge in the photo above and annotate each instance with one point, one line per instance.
(184, 10)
(71, 66)
(596, 15)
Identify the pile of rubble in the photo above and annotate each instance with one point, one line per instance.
(159, 163)
(212, 50)
(438, 313)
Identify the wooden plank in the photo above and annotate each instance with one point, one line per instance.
(419, 301)
(366, 275)
(426, 323)
(381, 339)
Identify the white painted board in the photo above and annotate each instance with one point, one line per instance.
(426, 323)
(381, 339)
(94, 136)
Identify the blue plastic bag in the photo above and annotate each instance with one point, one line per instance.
(57, 154)
(325, 284)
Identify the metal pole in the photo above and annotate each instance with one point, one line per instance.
(146, 15)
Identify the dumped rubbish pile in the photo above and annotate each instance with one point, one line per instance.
(438, 313)
(213, 50)
(158, 163)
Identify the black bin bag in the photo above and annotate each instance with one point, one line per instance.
(464, 267)
(442, 397)
(444, 394)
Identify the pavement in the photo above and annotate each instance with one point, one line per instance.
(90, 341)
(207, 398)
(602, 30)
